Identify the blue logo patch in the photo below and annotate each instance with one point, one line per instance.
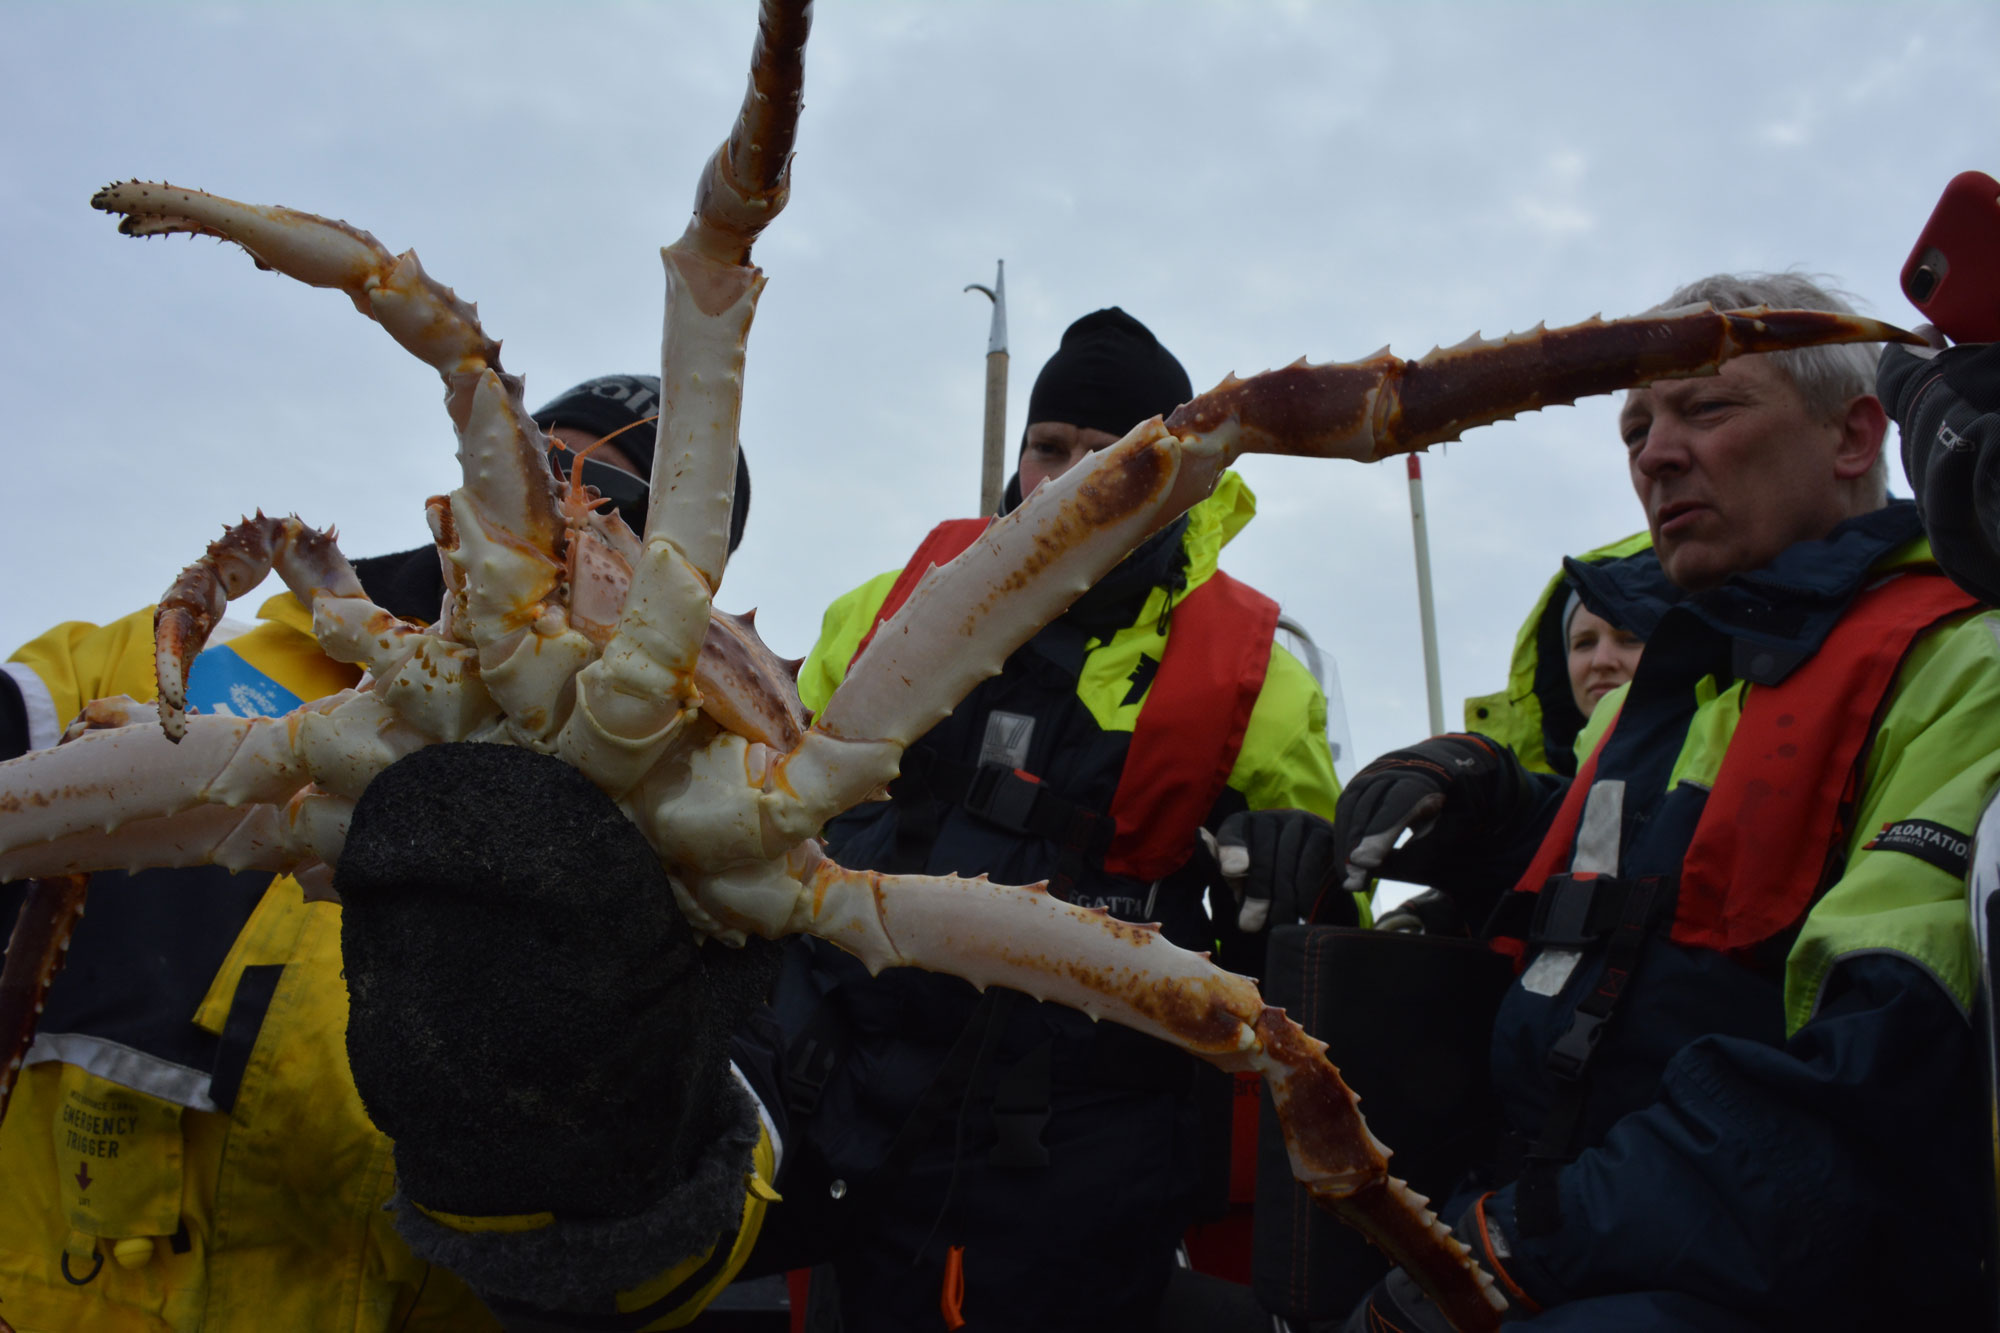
(222, 683)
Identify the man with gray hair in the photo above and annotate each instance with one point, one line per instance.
(1737, 1080)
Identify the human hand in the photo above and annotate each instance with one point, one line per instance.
(1279, 863)
(1447, 793)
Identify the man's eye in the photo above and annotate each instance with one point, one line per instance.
(1635, 434)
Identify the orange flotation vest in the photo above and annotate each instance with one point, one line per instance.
(1191, 724)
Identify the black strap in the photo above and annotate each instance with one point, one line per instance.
(931, 785)
(254, 989)
(1576, 905)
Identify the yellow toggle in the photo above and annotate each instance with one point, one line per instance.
(133, 1251)
(763, 1190)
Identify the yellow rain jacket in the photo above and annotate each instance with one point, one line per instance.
(252, 1196)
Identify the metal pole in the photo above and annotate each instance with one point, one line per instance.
(993, 466)
(1426, 609)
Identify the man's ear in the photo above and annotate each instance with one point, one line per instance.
(1862, 428)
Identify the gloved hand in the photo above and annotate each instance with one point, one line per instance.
(533, 1022)
(1279, 863)
(1398, 1305)
(1451, 793)
(1428, 913)
(1946, 404)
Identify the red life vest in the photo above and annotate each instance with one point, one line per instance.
(1191, 724)
(1774, 830)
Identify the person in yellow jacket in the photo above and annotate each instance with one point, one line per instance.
(187, 1149)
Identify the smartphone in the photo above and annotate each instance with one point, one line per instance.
(1953, 272)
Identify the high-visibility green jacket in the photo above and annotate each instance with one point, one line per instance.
(1284, 760)
(1780, 1115)
(1535, 715)
(186, 1149)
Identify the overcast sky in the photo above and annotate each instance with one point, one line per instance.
(1256, 182)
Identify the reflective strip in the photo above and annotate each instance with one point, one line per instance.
(118, 1063)
(1598, 836)
(44, 727)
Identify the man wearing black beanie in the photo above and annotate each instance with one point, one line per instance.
(1030, 1168)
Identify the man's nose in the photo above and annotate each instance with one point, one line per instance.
(1664, 450)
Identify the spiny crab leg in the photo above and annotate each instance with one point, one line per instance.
(36, 950)
(1026, 939)
(632, 700)
(506, 518)
(966, 617)
(310, 563)
(261, 770)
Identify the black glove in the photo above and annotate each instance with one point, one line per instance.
(1947, 408)
(1279, 864)
(532, 1020)
(1454, 794)
(1428, 913)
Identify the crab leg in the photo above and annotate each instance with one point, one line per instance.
(36, 950)
(419, 312)
(312, 826)
(1027, 940)
(632, 702)
(311, 565)
(132, 775)
(966, 617)
(506, 519)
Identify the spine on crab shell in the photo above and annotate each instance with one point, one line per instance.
(1366, 410)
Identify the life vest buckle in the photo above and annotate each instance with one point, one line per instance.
(1571, 1054)
(1004, 796)
(1575, 911)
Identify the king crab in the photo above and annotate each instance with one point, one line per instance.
(564, 632)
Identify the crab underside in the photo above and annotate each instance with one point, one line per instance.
(565, 632)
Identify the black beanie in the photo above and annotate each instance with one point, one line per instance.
(609, 403)
(1110, 374)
